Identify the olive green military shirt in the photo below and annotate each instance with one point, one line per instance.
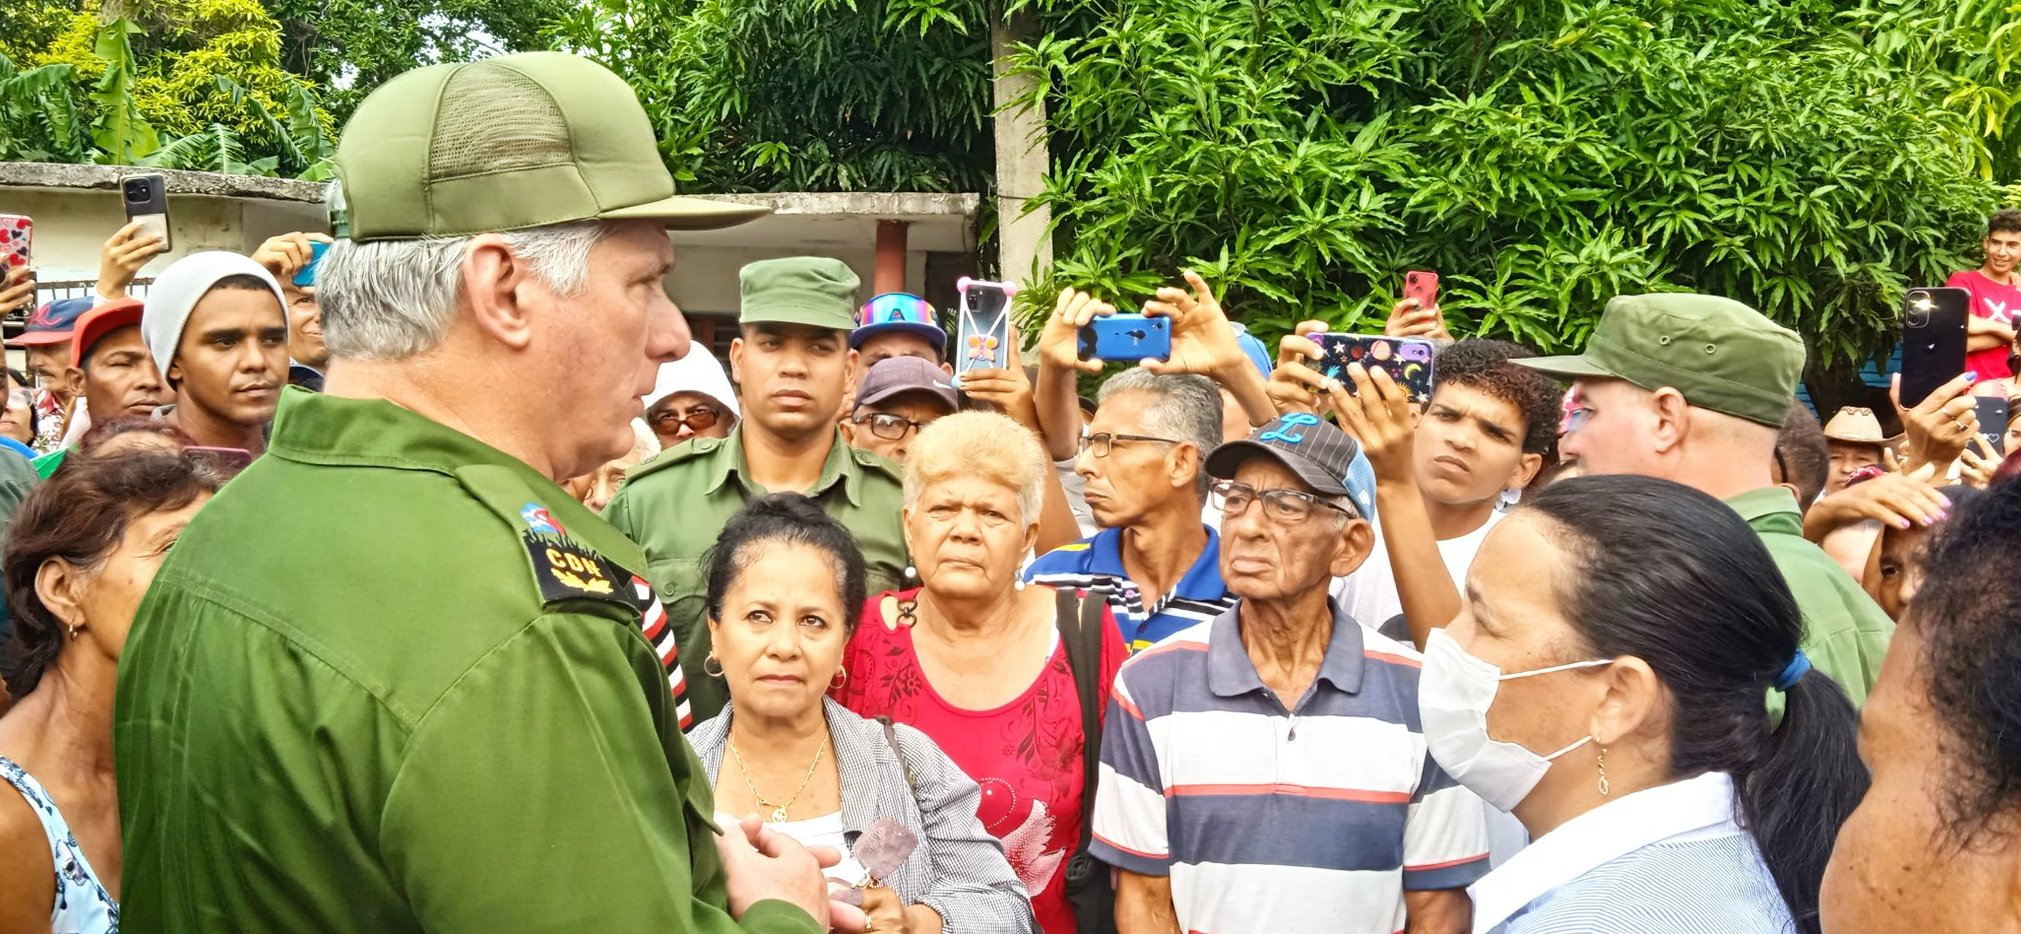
(1845, 632)
(677, 504)
(392, 680)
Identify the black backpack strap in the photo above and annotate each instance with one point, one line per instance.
(1080, 623)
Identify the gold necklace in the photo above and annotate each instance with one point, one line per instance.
(778, 809)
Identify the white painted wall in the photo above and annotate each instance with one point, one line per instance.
(704, 280)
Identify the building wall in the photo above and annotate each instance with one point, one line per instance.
(71, 226)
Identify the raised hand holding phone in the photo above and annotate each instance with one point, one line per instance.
(119, 260)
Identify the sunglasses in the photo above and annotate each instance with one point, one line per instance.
(894, 306)
(699, 418)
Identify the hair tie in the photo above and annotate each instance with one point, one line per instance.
(1798, 666)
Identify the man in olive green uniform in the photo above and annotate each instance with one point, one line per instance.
(1693, 388)
(393, 678)
(791, 363)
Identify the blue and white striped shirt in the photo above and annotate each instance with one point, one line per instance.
(1667, 860)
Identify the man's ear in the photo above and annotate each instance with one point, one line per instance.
(1526, 471)
(1178, 459)
(496, 284)
(1672, 417)
(72, 382)
(1356, 543)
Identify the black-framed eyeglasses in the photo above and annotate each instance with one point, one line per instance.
(1289, 507)
(888, 426)
(1100, 442)
(700, 418)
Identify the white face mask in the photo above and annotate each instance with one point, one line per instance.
(1454, 694)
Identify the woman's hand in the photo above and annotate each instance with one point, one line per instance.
(1898, 500)
(1408, 319)
(1007, 390)
(1941, 425)
(886, 913)
(1980, 461)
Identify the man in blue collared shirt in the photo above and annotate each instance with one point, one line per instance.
(1154, 562)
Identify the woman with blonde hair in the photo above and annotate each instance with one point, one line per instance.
(1010, 680)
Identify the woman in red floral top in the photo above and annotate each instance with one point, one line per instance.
(973, 659)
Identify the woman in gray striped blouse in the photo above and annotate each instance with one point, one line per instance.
(1606, 684)
(785, 588)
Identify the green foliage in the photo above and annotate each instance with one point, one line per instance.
(353, 46)
(1541, 155)
(210, 82)
(815, 95)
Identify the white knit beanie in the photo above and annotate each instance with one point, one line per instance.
(177, 290)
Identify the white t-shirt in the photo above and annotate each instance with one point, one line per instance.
(1369, 594)
(825, 830)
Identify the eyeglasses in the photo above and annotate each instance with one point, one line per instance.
(699, 418)
(1288, 507)
(889, 427)
(1102, 441)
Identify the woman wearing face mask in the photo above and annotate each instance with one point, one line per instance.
(1619, 712)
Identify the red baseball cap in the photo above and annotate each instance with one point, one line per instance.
(101, 321)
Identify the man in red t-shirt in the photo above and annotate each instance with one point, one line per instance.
(1996, 296)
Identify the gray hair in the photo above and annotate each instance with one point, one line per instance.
(1182, 406)
(391, 299)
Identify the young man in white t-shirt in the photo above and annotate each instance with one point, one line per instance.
(1442, 473)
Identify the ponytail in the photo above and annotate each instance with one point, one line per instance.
(1801, 789)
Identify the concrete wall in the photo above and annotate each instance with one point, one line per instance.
(71, 226)
(705, 277)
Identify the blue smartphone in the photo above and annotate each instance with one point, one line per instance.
(307, 277)
(1127, 337)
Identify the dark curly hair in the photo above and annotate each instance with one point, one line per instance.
(794, 519)
(79, 516)
(1968, 611)
(1484, 365)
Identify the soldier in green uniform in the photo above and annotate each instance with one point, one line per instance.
(1694, 389)
(394, 680)
(791, 363)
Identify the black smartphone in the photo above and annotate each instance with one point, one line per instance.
(146, 200)
(1993, 422)
(1933, 340)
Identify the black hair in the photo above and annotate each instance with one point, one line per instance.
(2005, 220)
(1802, 454)
(1674, 577)
(793, 519)
(1484, 365)
(79, 515)
(1968, 611)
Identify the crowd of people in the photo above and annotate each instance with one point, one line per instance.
(461, 591)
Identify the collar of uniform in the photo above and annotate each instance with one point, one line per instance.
(1230, 672)
(1599, 836)
(1769, 509)
(314, 428)
(836, 468)
(1202, 581)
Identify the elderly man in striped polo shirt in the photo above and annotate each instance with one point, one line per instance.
(1266, 771)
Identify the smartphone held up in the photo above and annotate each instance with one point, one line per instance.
(1933, 340)
(145, 198)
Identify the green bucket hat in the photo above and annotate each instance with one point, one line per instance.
(811, 290)
(509, 143)
(1721, 354)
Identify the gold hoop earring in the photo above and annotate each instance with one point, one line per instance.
(1602, 783)
(841, 678)
(711, 657)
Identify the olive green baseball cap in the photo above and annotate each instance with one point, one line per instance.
(813, 290)
(508, 143)
(1721, 354)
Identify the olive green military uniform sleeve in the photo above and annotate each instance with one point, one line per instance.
(535, 797)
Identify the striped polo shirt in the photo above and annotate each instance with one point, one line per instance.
(1314, 820)
(1096, 565)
